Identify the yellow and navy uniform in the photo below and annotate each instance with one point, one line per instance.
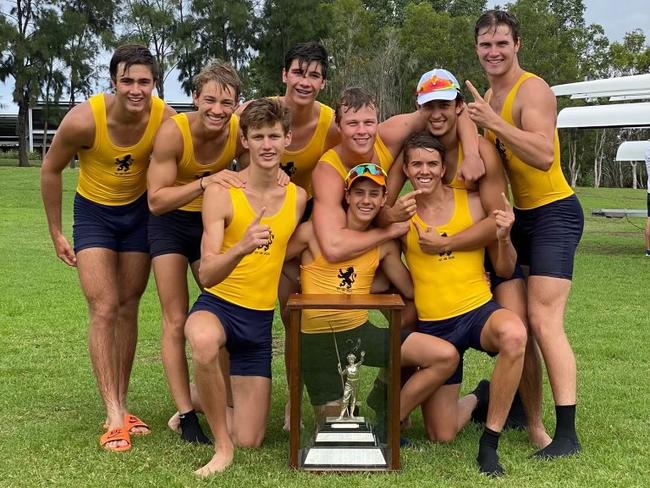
(353, 276)
(531, 187)
(253, 283)
(385, 157)
(189, 169)
(299, 164)
(114, 175)
(452, 283)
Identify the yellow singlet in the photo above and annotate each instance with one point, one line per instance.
(114, 175)
(531, 187)
(455, 182)
(189, 169)
(448, 284)
(254, 282)
(299, 164)
(332, 158)
(353, 276)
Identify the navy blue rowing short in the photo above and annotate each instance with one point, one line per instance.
(309, 207)
(176, 232)
(648, 204)
(546, 238)
(248, 334)
(495, 280)
(121, 228)
(463, 331)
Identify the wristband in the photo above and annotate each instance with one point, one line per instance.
(201, 184)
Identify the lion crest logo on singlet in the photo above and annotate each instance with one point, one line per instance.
(347, 277)
(445, 255)
(124, 164)
(264, 248)
(289, 168)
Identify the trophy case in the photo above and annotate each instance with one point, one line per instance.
(344, 386)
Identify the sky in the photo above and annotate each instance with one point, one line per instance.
(634, 14)
(616, 22)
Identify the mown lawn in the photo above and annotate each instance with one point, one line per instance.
(50, 411)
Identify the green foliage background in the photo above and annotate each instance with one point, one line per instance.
(52, 50)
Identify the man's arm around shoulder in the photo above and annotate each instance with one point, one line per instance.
(337, 242)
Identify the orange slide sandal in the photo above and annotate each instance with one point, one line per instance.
(121, 434)
(132, 422)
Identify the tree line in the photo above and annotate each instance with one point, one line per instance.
(52, 48)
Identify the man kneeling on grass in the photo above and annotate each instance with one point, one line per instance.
(463, 312)
(436, 359)
(245, 237)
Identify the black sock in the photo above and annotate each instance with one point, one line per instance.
(488, 459)
(191, 429)
(565, 421)
(565, 441)
(482, 394)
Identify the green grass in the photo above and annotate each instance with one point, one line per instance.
(50, 411)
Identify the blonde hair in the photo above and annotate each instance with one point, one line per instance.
(222, 73)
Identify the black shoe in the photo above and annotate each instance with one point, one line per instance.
(482, 393)
(516, 416)
(560, 446)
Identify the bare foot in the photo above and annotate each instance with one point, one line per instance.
(218, 464)
(538, 437)
(174, 423)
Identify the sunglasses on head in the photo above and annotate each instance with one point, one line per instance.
(435, 84)
(361, 169)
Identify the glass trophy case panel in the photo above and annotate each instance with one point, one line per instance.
(344, 403)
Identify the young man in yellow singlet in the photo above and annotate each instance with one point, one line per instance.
(313, 132)
(312, 123)
(245, 236)
(191, 151)
(519, 115)
(364, 139)
(113, 135)
(463, 312)
(444, 101)
(435, 359)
